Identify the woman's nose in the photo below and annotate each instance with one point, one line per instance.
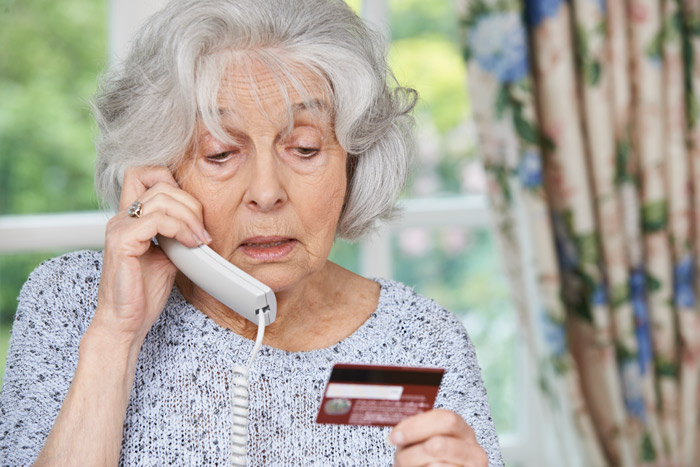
(265, 190)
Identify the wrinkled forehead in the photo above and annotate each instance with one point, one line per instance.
(278, 89)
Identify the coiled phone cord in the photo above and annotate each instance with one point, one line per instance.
(239, 407)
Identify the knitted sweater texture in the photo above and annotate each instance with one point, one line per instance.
(179, 410)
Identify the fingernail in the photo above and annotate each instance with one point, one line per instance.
(207, 237)
(196, 239)
(396, 438)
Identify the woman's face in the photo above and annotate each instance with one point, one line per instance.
(273, 199)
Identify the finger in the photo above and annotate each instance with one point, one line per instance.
(139, 179)
(438, 449)
(132, 236)
(425, 425)
(169, 226)
(175, 193)
(172, 205)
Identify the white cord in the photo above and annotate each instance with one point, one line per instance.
(239, 406)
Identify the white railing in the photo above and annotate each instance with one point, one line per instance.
(41, 232)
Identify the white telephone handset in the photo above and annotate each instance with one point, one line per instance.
(222, 280)
(246, 296)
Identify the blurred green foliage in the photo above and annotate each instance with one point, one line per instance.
(4, 344)
(51, 56)
(411, 18)
(425, 55)
(434, 66)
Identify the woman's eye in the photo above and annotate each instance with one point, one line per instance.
(306, 152)
(220, 157)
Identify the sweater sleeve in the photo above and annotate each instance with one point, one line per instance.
(463, 391)
(443, 341)
(52, 315)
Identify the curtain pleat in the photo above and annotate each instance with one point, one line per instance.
(690, 322)
(503, 103)
(587, 116)
(592, 52)
(634, 344)
(648, 139)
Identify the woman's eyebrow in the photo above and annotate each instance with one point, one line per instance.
(313, 104)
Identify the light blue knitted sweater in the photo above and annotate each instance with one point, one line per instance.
(178, 413)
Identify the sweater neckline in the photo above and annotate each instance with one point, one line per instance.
(194, 319)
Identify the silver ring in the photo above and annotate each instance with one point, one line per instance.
(136, 209)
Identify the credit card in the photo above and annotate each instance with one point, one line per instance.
(377, 395)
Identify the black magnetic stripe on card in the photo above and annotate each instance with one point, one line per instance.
(362, 375)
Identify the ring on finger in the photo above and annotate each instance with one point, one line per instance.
(135, 209)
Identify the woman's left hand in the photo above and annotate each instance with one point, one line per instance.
(436, 438)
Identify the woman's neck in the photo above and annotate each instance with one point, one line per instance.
(326, 308)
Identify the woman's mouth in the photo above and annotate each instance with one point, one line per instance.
(267, 249)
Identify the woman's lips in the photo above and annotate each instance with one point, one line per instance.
(267, 248)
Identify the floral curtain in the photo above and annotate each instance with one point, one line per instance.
(589, 129)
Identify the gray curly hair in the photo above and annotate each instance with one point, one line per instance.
(151, 104)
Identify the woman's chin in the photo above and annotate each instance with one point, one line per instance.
(278, 278)
(282, 278)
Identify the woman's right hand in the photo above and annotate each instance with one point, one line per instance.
(137, 277)
(136, 281)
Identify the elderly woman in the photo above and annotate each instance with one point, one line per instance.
(264, 129)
